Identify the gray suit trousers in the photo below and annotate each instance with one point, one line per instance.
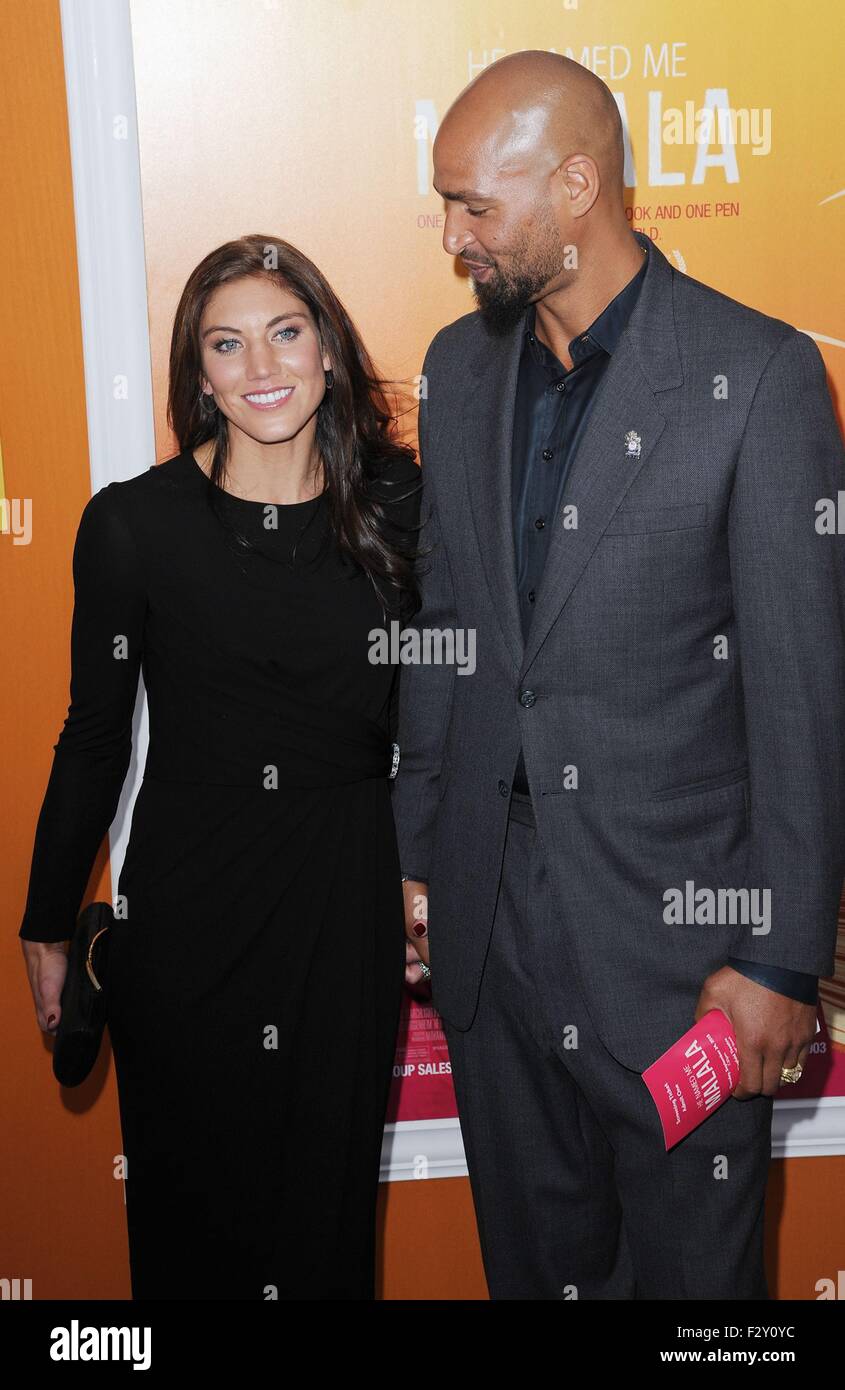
(574, 1193)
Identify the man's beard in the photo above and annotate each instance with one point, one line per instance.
(503, 299)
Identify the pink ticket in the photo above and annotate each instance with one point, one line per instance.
(695, 1075)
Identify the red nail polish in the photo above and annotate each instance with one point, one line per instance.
(420, 929)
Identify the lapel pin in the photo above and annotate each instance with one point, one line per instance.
(632, 445)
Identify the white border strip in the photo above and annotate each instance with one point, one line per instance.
(100, 83)
(808, 1128)
(434, 1148)
(415, 1149)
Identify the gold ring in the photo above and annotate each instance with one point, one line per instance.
(789, 1075)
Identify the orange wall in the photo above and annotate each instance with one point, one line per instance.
(62, 1216)
(55, 1149)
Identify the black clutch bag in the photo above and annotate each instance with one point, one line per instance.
(80, 1031)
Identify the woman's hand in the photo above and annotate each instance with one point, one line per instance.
(46, 963)
(416, 930)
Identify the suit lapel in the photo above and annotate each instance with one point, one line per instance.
(600, 475)
(624, 425)
(487, 436)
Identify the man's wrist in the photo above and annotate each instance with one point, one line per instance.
(793, 983)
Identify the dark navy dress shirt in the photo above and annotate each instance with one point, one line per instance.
(551, 411)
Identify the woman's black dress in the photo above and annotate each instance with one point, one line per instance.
(255, 983)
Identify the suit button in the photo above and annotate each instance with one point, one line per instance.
(503, 788)
(527, 698)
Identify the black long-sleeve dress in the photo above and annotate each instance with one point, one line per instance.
(254, 986)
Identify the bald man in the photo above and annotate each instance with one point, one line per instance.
(622, 476)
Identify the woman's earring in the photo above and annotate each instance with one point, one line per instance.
(203, 395)
(329, 379)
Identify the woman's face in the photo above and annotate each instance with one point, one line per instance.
(262, 359)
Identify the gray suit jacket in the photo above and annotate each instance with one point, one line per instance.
(722, 762)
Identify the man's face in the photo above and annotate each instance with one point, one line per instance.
(501, 226)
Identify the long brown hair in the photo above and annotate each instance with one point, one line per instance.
(356, 431)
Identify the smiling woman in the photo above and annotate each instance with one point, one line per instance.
(253, 987)
(257, 317)
(274, 365)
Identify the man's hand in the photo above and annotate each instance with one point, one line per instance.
(772, 1030)
(416, 929)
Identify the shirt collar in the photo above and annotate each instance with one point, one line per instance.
(603, 332)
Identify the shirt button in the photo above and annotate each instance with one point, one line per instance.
(503, 788)
(561, 386)
(539, 523)
(527, 698)
(548, 453)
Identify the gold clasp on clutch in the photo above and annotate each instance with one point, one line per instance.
(88, 963)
